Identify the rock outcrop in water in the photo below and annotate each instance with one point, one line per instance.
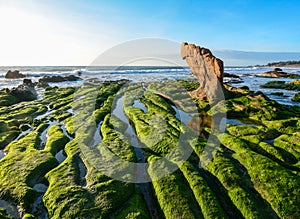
(24, 92)
(14, 74)
(278, 73)
(208, 69)
(47, 79)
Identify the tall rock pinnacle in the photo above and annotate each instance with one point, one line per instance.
(208, 69)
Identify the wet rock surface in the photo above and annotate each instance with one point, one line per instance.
(278, 73)
(293, 85)
(49, 144)
(47, 79)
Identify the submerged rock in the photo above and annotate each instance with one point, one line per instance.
(280, 94)
(14, 74)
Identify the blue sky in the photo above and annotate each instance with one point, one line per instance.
(44, 32)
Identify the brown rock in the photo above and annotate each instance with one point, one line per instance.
(278, 73)
(208, 69)
(14, 74)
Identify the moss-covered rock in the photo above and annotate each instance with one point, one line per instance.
(252, 173)
(282, 85)
(22, 167)
(296, 97)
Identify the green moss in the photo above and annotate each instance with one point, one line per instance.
(100, 113)
(220, 107)
(135, 208)
(278, 185)
(28, 216)
(7, 99)
(7, 136)
(114, 140)
(296, 97)
(22, 167)
(290, 143)
(56, 140)
(41, 128)
(227, 173)
(210, 207)
(66, 198)
(189, 85)
(4, 215)
(253, 176)
(69, 126)
(281, 85)
(158, 101)
(244, 130)
(287, 126)
(173, 194)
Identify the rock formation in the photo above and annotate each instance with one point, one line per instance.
(278, 73)
(24, 93)
(48, 79)
(208, 69)
(14, 74)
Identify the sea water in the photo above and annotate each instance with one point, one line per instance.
(146, 74)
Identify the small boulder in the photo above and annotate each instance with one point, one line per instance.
(229, 75)
(28, 82)
(56, 79)
(278, 69)
(42, 84)
(14, 74)
(23, 93)
(24, 127)
(296, 97)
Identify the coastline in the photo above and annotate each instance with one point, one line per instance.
(47, 131)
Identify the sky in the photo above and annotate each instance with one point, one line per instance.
(53, 32)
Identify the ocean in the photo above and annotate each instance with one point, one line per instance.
(148, 73)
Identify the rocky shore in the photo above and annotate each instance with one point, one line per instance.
(60, 148)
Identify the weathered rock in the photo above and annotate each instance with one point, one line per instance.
(14, 74)
(293, 85)
(28, 82)
(228, 75)
(278, 73)
(48, 79)
(42, 84)
(23, 93)
(208, 69)
(232, 78)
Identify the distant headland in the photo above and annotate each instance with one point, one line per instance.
(282, 64)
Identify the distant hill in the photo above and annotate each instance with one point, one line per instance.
(284, 64)
(248, 58)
